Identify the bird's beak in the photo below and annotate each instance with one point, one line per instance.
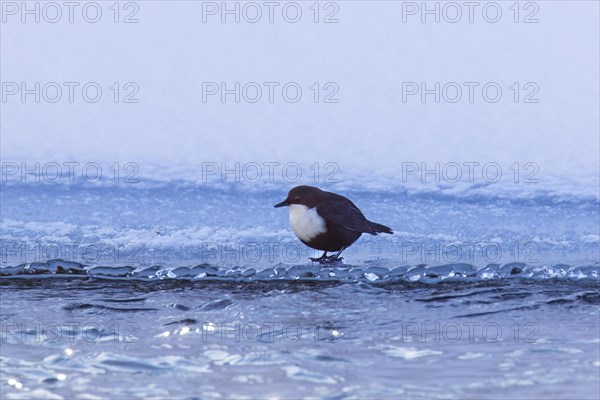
(282, 204)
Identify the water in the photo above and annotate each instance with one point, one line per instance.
(189, 291)
(122, 339)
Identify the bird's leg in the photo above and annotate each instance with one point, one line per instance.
(321, 259)
(336, 257)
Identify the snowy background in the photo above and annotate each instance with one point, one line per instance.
(367, 54)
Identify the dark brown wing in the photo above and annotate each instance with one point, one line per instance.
(344, 214)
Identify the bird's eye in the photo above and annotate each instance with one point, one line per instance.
(297, 198)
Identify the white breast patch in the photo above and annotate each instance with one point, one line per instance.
(306, 222)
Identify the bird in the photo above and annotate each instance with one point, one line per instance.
(327, 221)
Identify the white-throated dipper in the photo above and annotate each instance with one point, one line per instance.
(327, 221)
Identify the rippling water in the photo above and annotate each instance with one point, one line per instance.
(528, 338)
(194, 293)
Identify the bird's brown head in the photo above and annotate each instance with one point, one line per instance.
(308, 196)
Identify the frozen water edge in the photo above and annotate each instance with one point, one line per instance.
(309, 273)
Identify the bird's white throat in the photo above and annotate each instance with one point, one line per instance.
(306, 222)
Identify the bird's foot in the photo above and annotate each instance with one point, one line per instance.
(319, 259)
(327, 259)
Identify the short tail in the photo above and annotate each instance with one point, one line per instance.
(378, 228)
